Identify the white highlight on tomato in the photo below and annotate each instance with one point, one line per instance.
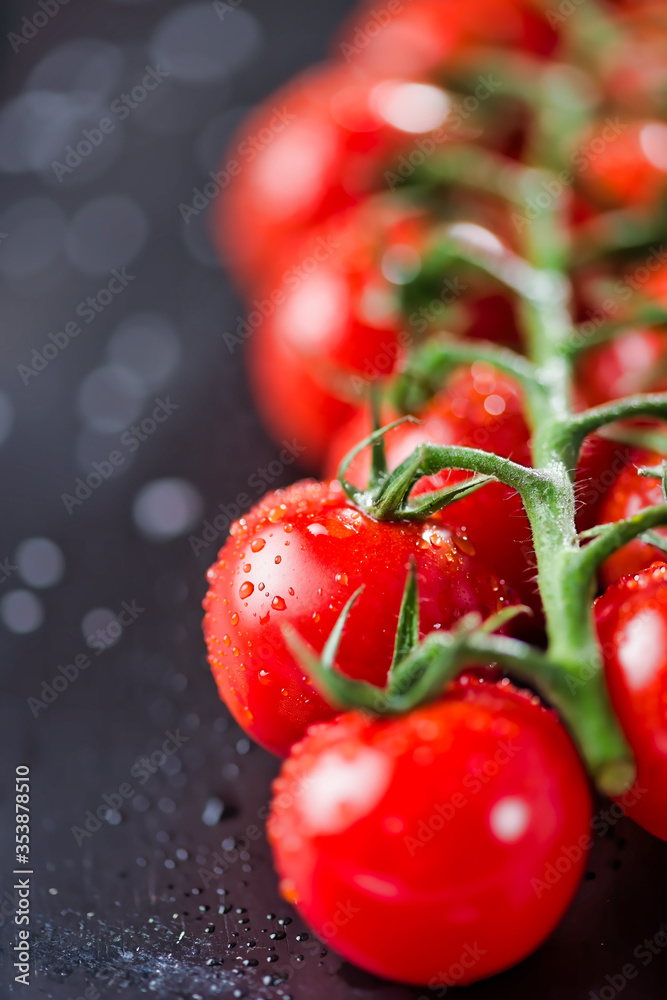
(411, 107)
(340, 790)
(640, 650)
(509, 819)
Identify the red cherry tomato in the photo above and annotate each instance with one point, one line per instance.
(479, 410)
(631, 493)
(626, 164)
(426, 34)
(635, 362)
(327, 136)
(434, 832)
(600, 463)
(296, 558)
(328, 324)
(632, 626)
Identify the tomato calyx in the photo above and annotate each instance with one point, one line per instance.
(419, 672)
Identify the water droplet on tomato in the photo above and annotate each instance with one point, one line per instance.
(278, 560)
(235, 618)
(341, 578)
(246, 589)
(278, 604)
(227, 641)
(257, 544)
(247, 568)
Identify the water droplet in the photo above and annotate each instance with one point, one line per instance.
(246, 589)
(341, 578)
(227, 641)
(278, 604)
(235, 618)
(257, 544)
(278, 560)
(247, 568)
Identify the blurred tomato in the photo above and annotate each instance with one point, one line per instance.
(314, 148)
(424, 34)
(329, 325)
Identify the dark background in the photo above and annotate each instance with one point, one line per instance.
(127, 911)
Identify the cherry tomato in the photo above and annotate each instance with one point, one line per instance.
(327, 137)
(635, 362)
(631, 493)
(478, 409)
(426, 34)
(418, 846)
(329, 325)
(600, 463)
(296, 558)
(632, 626)
(625, 164)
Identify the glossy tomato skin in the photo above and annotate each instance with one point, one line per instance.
(331, 137)
(631, 493)
(477, 410)
(332, 323)
(436, 830)
(632, 626)
(296, 559)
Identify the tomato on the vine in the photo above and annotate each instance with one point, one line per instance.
(435, 831)
(328, 138)
(296, 559)
(479, 409)
(328, 324)
(631, 493)
(631, 619)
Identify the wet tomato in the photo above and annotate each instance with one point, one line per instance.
(630, 493)
(296, 558)
(478, 409)
(418, 846)
(632, 625)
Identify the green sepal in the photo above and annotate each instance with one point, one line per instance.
(407, 629)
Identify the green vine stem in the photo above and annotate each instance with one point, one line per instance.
(567, 562)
